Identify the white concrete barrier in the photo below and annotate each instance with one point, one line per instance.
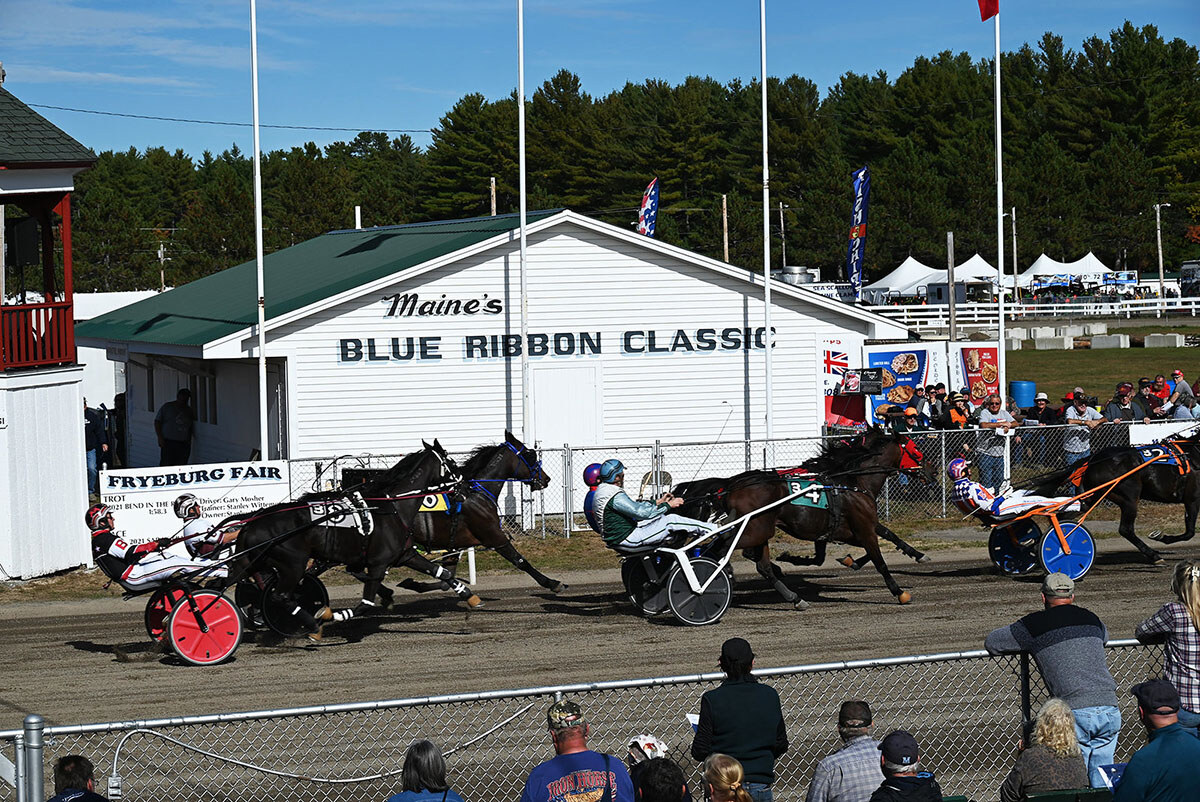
(1059, 343)
(1110, 341)
(1038, 332)
(1069, 331)
(1018, 333)
(1164, 340)
(1095, 328)
(1012, 344)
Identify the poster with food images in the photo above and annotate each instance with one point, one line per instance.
(904, 368)
(976, 367)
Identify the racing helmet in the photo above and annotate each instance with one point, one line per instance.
(957, 469)
(96, 516)
(611, 469)
(591, 474)
(187, 506)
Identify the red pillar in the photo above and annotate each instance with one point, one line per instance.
(64, 210)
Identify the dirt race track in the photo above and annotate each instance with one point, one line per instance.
(64, 660)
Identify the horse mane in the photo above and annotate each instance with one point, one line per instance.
(841, 454)
(406, 465)
(478, 459)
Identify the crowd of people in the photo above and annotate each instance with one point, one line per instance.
(741, 730)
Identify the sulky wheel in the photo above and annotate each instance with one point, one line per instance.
(646, 595)
(1075, 564)
(698, 609)
(158, 610)
(1017, 558)
(277, 614)
(205, 628)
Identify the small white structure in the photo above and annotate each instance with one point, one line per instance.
(377, 338)
(102, 379)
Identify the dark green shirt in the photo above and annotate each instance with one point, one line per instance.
(742, 718)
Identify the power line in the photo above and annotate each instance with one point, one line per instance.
(223, 122)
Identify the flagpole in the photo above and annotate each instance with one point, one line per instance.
(263, 446)
(527, 433)
(766, 201)
(1001, 371)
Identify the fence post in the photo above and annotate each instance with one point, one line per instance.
(19, 767)
(942, 473)
(656, 468)
(34, 789)
(568, 491)
(1026, 701)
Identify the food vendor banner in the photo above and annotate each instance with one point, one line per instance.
(839, 355)
(905, 367)
(975, 367)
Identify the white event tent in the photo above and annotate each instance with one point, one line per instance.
(1089, 269)
(910, 273)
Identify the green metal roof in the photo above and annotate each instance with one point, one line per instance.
(27, 137)
(224, 303)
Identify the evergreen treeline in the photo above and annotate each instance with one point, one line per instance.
(1093, 138)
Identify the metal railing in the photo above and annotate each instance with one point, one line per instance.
(36, 334)
(965, 708)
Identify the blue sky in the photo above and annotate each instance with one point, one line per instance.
(388, 64)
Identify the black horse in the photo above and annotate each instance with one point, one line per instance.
(1171, 478)
(477, 523)
(368, 527)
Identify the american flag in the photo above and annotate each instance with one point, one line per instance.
(648, 214)
(836, 362)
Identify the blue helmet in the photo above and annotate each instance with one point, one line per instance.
(591, 474)
(957, 468)
(611, 469)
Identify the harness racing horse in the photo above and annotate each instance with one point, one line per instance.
(477, 523)
(368, 527)
(864, 463)
(1164, 472)
(850, 517)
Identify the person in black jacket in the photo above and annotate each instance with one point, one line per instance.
(95, 441)
(743, 719)
(75, 780)
(903, 781)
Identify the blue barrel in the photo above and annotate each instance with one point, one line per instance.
(1023, 393)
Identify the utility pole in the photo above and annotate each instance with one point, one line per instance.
(725, 225)
(950, 284)
(493, 196)
(1158, 229)
(162, 266)
(782, 237)
(1016, 290)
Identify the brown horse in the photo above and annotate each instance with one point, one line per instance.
(850, 517)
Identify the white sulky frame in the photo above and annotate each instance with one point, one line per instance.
(685, 563)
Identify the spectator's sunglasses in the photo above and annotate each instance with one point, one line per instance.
(993, 403)
(1041, 401)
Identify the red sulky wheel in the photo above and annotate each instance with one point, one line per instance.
(158, 610)
(187, 632)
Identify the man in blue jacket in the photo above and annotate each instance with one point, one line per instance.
(1167, 769)
(628, 525)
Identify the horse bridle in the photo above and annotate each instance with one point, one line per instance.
(533, 470)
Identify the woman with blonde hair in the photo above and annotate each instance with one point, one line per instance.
(1053, 762)
(725, 779)
(1177, 624)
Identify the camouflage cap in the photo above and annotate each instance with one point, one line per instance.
(563, 715)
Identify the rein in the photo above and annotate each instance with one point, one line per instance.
(478, 485)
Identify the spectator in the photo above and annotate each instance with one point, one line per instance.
(1040, 414)
(574, 766)
(1077, 444)
(919, 402)
(642, 750)
(956, 413)
(1177, 624)
(75, 780)
(1067, 643)
(725, 779)
(851, 773)
(1160, 388)
(907, 423)
(1121, 406)
(1053, 762)
(1182, 388)
(660, 780)
(743, 719)
(903, 780)
(1147, 404)
(989, 454)
(95, 443)
(1184, 408)
(937, 403)
(1165, 769)
(424, 776)
(173, 425)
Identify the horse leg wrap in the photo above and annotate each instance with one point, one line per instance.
(345, 614)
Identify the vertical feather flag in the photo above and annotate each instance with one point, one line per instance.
(648, 214)
(988, 9)
(858, 229)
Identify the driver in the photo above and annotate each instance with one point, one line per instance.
(197, 534)
(973, 497)
(627, 524)
(147, 564)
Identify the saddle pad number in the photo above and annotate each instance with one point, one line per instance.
(435, 502)
(332, 512)
(1162, 455)
(811, 494)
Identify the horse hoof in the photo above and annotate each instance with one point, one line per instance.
(800, 604)
(847, 561)
(474, 602)
(1157, 534)
(905, 597)
(924, 558)
(315, 637)
(559, 587)
(324, 614)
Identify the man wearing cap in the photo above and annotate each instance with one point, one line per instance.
(1147, 404)
(907, 423)
(1181, 402)
(851, 773)
(903, 779)
(628, 525)
(989, 454)
(575, 772)
(1121, 406)
(937, 402)
(743, 719)
(1040, 414)
(1167, 769)
(1077, 444)
(956, 413)
(1067, 643)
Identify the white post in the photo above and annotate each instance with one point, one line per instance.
(263, 447)
(358, 217)
(1016, 292)
(1002, 375)
(1162, 295)
(527, 433)
(766, 201)
(471, 566)
(493, 193)
(953, 322)
(725, 227)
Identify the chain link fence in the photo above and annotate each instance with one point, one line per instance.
(966, 710)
